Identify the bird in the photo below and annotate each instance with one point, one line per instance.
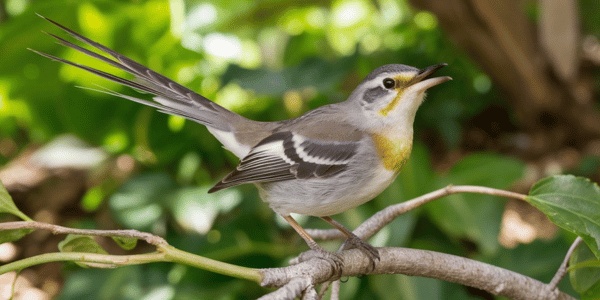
(327, 161)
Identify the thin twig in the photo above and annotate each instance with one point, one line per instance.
(108, 260)
(324, 287)
(335, 290)
(373, 224)
(298, 278)
(57, 229)
(165, 252)
(291, 289)
(388, 214)
(562, 270)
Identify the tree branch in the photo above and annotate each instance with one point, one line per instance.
(57, 229)
(106, 260)
(302, 277)
(379, 220)
(562, 270)
(165, 252)
(412, 262)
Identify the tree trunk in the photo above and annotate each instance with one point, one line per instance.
(537, 67)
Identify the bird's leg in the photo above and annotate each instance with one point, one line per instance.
(307, 238)
(338, 263)
(355, 241)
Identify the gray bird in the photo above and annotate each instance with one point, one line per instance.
(322, 163)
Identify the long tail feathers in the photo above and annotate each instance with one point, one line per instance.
(171, 97)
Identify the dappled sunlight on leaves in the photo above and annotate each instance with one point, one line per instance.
(196, 210)
(267, 60)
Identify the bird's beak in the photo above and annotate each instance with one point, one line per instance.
(426, 83)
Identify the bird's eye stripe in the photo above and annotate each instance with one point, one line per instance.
(373, 94)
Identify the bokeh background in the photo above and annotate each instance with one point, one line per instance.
(523, 105)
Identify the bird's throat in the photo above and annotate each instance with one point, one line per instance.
(393, 152)
(392, 105)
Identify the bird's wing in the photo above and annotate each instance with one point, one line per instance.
(171, 97)
(288, 155)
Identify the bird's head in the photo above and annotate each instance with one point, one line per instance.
(391, 94)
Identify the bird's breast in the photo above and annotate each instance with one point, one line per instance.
(393, 151)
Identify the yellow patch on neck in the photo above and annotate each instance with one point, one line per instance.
(393, 152)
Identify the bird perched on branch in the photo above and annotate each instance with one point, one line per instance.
(322, 163)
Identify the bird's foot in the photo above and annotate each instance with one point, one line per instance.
(333, 259)
(371, 252)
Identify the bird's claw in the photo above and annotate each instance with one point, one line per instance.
(334, 259)
(371, 252)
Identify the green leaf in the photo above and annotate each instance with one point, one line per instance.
(586, 281)
(572, 203)
(138, 203)
(13, 235)
(538, 259)
(80, 243)
(416, 177)
(312, 72)
(83, 244)
(125, 242)
(487, 169)
(7, 205)
(119, 283)
(476, 217)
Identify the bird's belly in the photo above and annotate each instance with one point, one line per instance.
(319, 197)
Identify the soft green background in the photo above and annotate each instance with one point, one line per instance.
(267, 60)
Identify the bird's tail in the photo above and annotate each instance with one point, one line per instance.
(170, 97)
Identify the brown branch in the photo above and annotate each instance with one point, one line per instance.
(562, 270)
(301, 278)
(376, 222)
(412, 262)
(57, 229)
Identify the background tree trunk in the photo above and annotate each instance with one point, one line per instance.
(539, 67)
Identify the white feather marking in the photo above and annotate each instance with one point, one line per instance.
(230, 142)
(298, 140)
(174, 104)
(274, 148)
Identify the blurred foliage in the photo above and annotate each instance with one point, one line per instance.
(267, 60)
(585, 280)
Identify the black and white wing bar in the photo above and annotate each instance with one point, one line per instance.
(287, 155)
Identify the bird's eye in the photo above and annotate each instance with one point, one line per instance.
(389, 83)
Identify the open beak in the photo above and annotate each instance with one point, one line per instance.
(425, 83)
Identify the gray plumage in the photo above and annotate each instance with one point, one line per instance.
(326, 136)
(391, 69)
(322, 163)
